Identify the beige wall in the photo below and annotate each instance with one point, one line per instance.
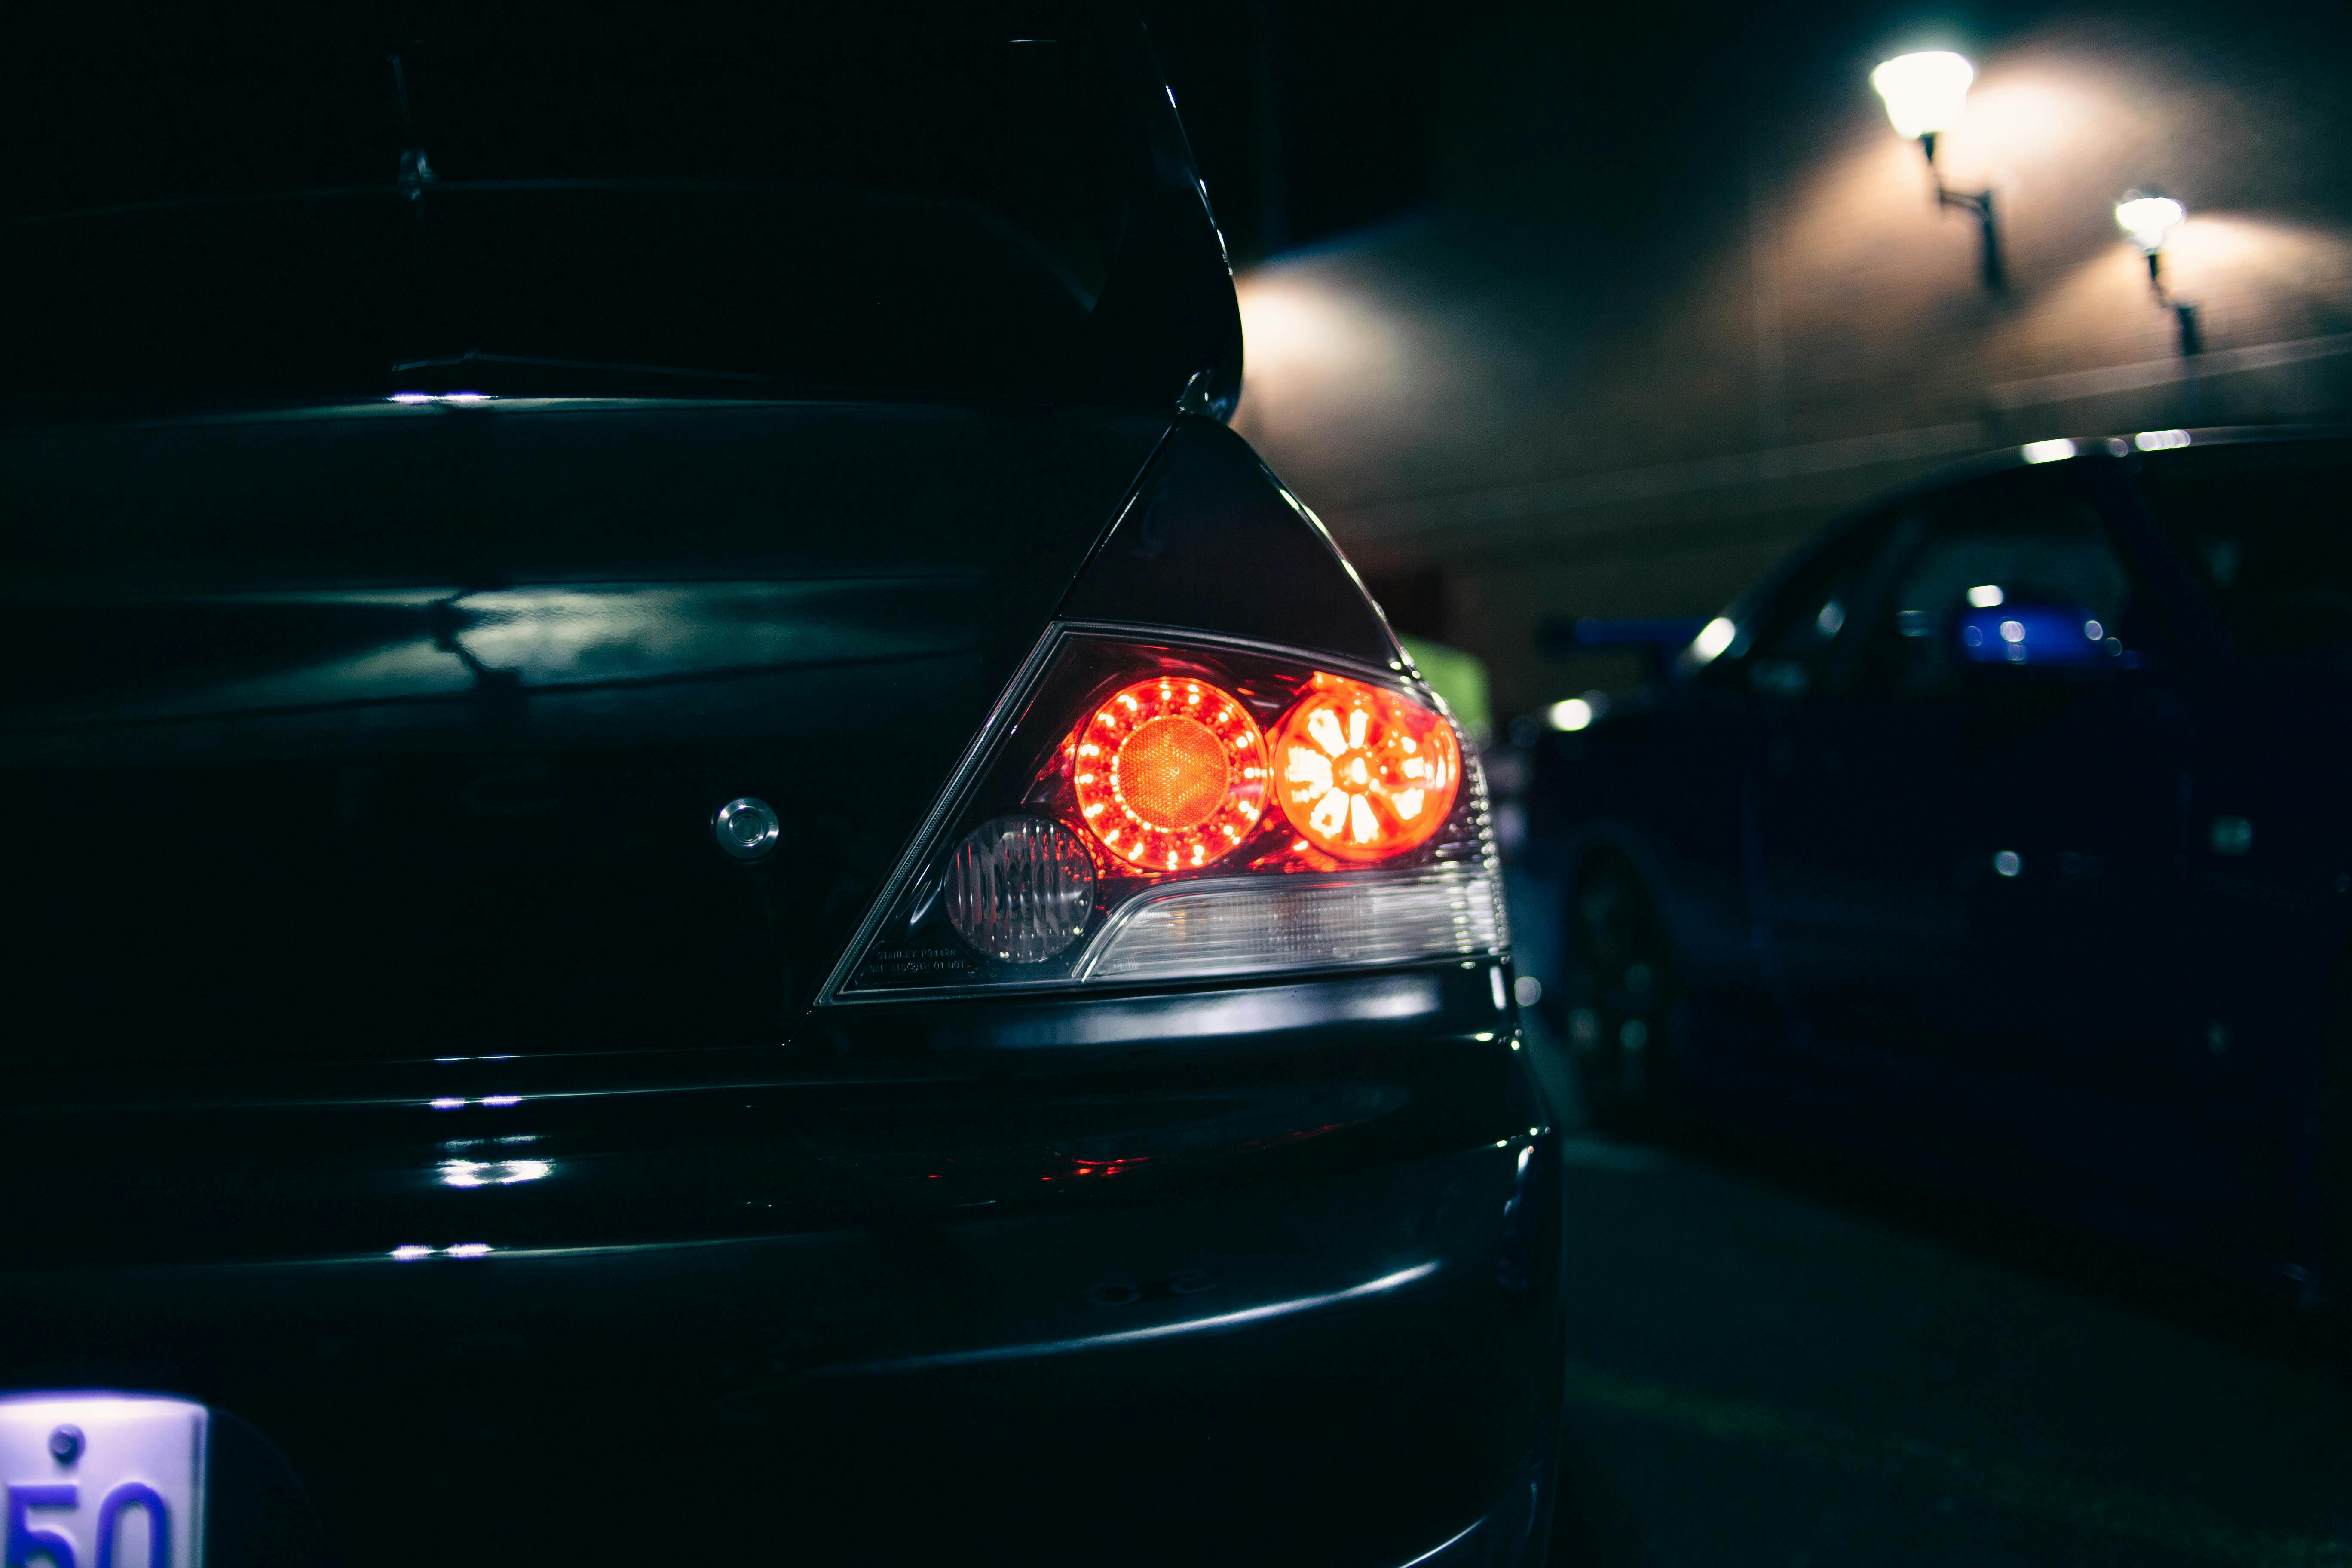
(1573, 422)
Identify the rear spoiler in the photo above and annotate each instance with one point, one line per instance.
(1657, 639)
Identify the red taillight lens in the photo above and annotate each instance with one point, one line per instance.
(1170, 773)
(1169, 809)
(1361, 773)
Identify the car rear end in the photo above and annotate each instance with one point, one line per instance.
(409, 1074)
(606, 966)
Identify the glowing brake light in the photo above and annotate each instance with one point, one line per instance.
(1170, 773)
(1364, 773)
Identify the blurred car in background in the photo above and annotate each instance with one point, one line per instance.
(2000, 836)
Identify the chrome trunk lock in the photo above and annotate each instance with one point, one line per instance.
(747, 828)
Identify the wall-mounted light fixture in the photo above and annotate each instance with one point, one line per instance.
(2149, 217)
(1925, 93)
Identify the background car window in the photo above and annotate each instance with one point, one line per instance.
(2264, 529)
(1800, 624)
(2015, 568)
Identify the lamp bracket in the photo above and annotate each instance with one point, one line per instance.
(2192, 337)
(1978, 204)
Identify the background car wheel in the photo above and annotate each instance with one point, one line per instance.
(1620, 1001)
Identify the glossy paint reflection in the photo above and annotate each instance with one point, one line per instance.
(1385, 1283)
(493, 1172)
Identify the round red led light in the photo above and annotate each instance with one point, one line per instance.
(1364, 773)
(1170, 773)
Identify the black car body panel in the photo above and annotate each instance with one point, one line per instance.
(411, 1079)
(451, 694)
(916, 200)
(1212, 542)
(1267, 1272)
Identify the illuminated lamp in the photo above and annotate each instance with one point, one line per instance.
(2149, 217)
(1925, 94)
(1170, 773)
(1364, 773)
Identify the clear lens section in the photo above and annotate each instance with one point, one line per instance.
(1021, 888)
(1250, 926)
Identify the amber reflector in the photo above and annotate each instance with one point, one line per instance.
(1364, 773)
(1170, 773)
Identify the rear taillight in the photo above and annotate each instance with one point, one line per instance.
(1153, 809)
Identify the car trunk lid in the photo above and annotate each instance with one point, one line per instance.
(397, 732)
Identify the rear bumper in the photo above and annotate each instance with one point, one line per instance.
(1342, 1351)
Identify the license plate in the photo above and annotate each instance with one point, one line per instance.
(103, 1480)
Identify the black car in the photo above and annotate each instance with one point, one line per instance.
(1999, 835)
(696, 869)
